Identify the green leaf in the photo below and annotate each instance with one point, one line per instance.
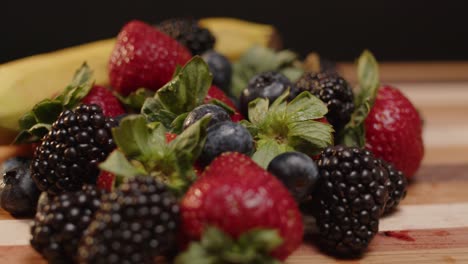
(253, 247)
(47, 111)
(260, 59)
(354, 136)
(187, 147)
(118, 164)
(188, 89)
(265, 240)
(280, 102)
(253, 129)
(178, 124)
(136, 99)
(40, 129)
(25, 137)
(368, 77)
(268, 149)
(27, 121)
(221, 104)
(132, 136)
(215, 239)
(36, 123)
(258, 110)
(79, 87)
(154, 111)
(305, 107)
(310, 136)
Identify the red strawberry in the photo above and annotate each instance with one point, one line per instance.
(106, 100)
(144, 57)
(236, 195)
(170, 137)
(394, 131)
(105, 181)
(215, 93)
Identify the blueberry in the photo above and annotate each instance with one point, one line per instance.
(221, 69)
(218, 114)
(20, 194)
(268, 85)
(224, 137)
(297, 171)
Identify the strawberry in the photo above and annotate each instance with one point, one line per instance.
(144, 57)
(236, 195)
(170, 137)
(105, 181)
(394, 131)
(104, 98)
(214, 93)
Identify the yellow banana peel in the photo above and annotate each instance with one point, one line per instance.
(26, 81)
(234, 36)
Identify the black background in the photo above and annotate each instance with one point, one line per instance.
(339, 30)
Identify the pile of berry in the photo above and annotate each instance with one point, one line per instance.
(167, 167)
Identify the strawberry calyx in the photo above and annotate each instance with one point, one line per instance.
(135, 100)
(143, 149)
(368, 84)
(36, 123)
(215, 246)
(187, 90)
(287, 126)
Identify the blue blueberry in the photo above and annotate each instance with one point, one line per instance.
(218, 114)
(224, 137)
(221, 69)
(268, 85)
(297, 171)
(19, 195)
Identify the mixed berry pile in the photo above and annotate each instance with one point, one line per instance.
(173, 163)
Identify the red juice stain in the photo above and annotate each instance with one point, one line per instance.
(401, 235)
(441, 233)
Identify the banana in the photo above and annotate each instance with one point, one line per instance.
(25, 82)
(235, 36)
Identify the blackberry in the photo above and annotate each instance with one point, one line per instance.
(135, 224)
(334, 91)
(59, 225)
(69, 154)
(348, 200)
(188, 33)
(396, 188)
(268, 85)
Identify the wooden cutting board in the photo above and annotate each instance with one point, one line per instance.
(431, 225)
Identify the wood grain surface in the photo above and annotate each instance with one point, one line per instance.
(431, 225)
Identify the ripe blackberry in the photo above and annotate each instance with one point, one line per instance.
(68, 155)
(59, 225)
(188, 33)
(348, 200)
(333, 91)
(396, 188)
(135, 224)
